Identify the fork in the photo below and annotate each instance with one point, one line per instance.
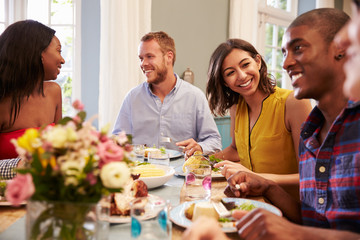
(169, 140)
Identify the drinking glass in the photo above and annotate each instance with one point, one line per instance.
(139, 150)
(159, 158)
(198, 182)
(149, 219)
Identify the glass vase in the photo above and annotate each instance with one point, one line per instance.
(66, 220)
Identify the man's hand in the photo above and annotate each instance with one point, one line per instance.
(190, 146)
(204, 228)
(242, 184)
(262, 224)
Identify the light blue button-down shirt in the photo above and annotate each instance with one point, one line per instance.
(183, 114)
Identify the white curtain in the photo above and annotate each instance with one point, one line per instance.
(243, 21)
(123, 23)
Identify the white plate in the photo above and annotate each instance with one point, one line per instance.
(6, 203)
(125, 219)
(172, 154)
(179, 173)
(177, 214)
(153, 182)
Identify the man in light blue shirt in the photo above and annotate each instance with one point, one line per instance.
(166, 106)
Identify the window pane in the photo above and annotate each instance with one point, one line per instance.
(65, 81)
(65, 35)
(268, 57)
(2, 11)
(281, 4)
(279, 60)
(38, 10)
(62, 12)
(281, 31)
(269, 33)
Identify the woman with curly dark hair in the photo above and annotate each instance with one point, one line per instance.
(30, 54)
(265, 119)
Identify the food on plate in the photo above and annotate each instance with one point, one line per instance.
(247, 206)
(197, 158)
(148, 170)
(204, 209)
(195, 210)
(148, 150)
(120, 202)
(189, 211)
(2, 190)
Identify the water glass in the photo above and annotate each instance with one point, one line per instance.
(159, 158)
(139, 150)
(149, 219)
(198, 182)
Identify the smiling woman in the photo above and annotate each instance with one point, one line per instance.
(265, 119)
(30, 54)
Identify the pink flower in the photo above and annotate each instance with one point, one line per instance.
(91, 178)
(77, 104)
(109, 152)
(19, 189)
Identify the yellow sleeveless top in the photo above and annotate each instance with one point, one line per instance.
(269, 147)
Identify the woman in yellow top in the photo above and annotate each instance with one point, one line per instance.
(265, 119)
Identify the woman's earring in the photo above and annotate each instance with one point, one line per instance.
(338, 57)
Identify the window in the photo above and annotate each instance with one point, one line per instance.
(3, 15)
(63, 16)
(274, 17)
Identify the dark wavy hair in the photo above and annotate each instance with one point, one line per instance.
(221, 97)
(21, 68)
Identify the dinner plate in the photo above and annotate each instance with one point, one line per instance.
(6, 203)
(177, 214)
(179, 173)
(153, 182)
(173, 154)
(125, 219)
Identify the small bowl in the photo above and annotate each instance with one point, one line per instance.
(153, 182)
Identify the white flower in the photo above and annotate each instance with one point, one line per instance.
(58, 136)
(115, 174)
(121, 138)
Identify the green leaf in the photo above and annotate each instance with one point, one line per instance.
(65, 120)
(36, 163)
(82, 115)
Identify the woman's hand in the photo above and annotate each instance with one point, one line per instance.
(229, 168)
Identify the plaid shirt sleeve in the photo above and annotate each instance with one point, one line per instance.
(7, 167)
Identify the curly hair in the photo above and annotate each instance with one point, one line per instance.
(21, 68)
(164, 40)
(220, 96)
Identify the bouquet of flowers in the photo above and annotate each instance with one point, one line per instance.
(70, 162)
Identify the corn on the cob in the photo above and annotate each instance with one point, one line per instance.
(148, 170)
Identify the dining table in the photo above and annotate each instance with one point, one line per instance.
(12, 219)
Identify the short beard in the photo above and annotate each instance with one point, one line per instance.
(161, 76)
